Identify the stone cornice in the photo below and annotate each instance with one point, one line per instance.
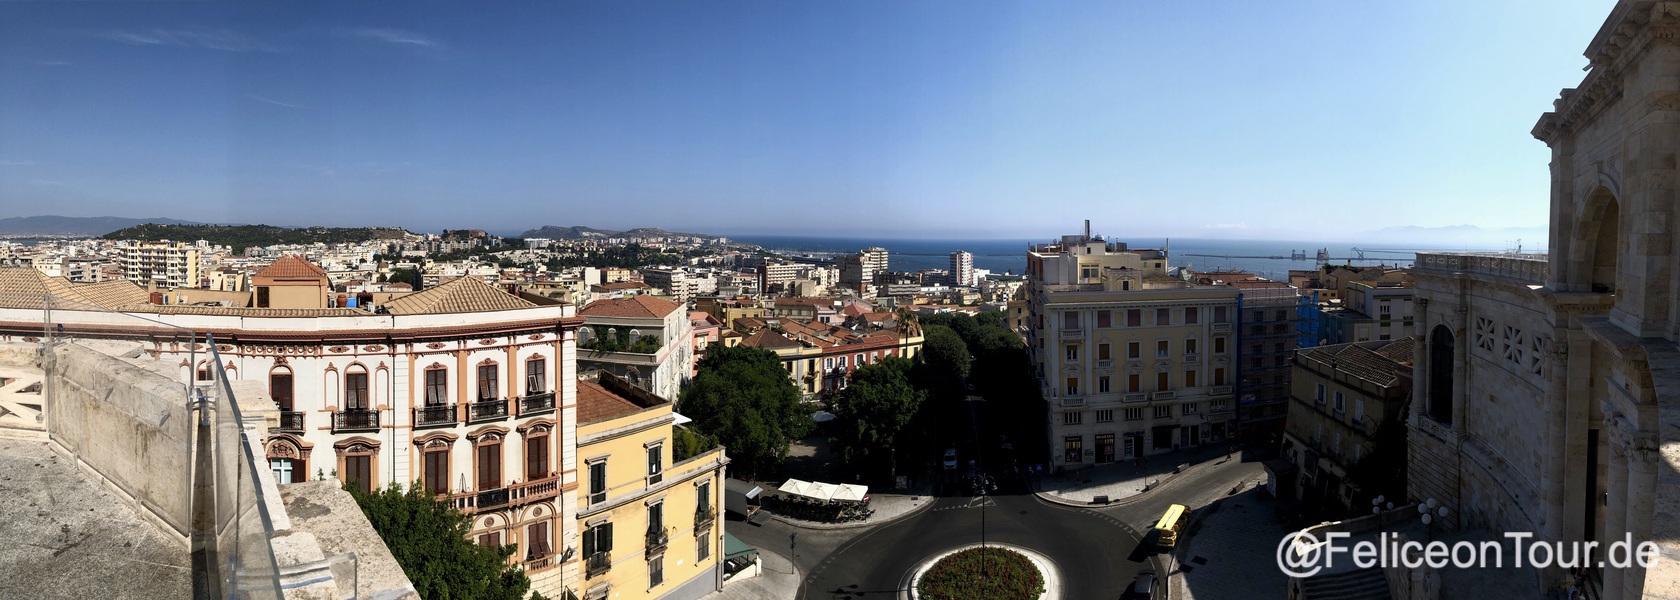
(1625, 36)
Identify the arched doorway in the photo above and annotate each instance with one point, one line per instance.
(1599, 236)
(1441, 349)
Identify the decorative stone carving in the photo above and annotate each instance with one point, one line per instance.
(435, 345)
(1644, 451)
(373, 348)
(337, 349)
(486, 342)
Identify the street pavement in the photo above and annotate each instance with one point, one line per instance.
(1127, 478)
(779, 581)
(1231, 552)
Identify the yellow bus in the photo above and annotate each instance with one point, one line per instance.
(1171, 523)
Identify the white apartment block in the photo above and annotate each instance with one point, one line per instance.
(962, 269)
(165, 263)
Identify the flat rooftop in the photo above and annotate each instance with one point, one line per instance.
(65, 536)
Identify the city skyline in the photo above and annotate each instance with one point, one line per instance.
(566, 114)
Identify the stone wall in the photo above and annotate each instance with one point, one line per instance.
(125, 424)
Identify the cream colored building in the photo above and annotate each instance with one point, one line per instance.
(646, 340)
(165, 263)
(1132, 361)
(649, 519)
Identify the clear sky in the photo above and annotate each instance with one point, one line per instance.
(1237, 118)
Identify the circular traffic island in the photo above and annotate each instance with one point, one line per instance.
(990, 573)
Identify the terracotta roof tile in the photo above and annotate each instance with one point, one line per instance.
(461, 295)
(27, 288)
(595, 403)
(291, 266)
(768, 339)
(640, 306)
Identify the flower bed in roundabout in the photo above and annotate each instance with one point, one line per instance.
(982, 574)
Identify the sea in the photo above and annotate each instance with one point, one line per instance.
(1267, 258)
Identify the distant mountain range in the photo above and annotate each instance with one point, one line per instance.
(86, 226)
(578, 232)
(240, 237)
(1534, 239)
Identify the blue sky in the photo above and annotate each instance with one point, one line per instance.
(1218, 118)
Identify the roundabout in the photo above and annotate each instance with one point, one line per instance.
(1022, 574)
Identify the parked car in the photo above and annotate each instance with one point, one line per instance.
(1142, 588)
(950, 459)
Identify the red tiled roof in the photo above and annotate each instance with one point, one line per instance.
(291, 266)
(640, 306)
(769, 340)
(623, 285)
(596, 403)
(460, 295)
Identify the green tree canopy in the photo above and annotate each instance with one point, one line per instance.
(429, 539)
(873, 412)
(744, 399)
(947, 361)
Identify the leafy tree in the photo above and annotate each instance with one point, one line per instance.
(429, 539)
(688, 442)
(872, 413)
(408, 276)
(947, 361)
(744, 399)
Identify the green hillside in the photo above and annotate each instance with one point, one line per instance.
(240, 237)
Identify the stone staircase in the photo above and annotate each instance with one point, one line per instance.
(1358, 584)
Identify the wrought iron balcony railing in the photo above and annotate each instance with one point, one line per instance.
(598, 563)
(434, 415)
(291, 421)
(488, 410)
(355, 419)
(657, 540)
(535, 404)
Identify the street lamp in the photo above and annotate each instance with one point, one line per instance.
(1432, 511)
(1378, 505)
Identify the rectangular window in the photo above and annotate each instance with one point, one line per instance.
(1318, 393)
(280, 388)
(491, 540)
(1102, 384)
(1072, 352)
(1162, 383)
(703, 497)
(536, 376)
(486, 382)
(489, 466)
(1073, 386)
(1220, 404)
(1161, 348)
(1073, 418)
(1105, 416)
(437, 472)
(655, 463)
(1133, 383)
(262, 297)
(1190, 378)
(1134, 349)
(1070, 319)
(437, 387)
(1134, 318)
(1134, 414)
(1341, 402)
(1358, 410)
(358, 471)
(1163, 316)
(1102, 351)
(1219, 345)
(1219, 376)
(1190, 315)
(598, 539)
(1191, 408)
(1219, 314)
(702, 548)
(537, 541)
(1073, 449)
(1163, 412)
(356, 391)
(536, 457)
(597, 482)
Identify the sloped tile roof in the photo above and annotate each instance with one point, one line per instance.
(611, 398)
(1358, 361)
(768, 339)
(461, 295)
(1399, 351)
(27, 288)
(642, 306)
(291, 266)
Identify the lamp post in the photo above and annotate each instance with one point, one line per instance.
(1378, 505)
(1432, 511)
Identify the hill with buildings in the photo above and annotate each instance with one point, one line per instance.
(245, 236)
(578, 232)
(88, 226)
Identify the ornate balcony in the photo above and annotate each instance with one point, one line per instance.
(291, 421)
(656, 540)
(518, 494)
(703, 518)
(536, 404)
(435, 415)
(1221, 328)
(1073, 334)
(488, 410)
(354, 420)
(597, 563)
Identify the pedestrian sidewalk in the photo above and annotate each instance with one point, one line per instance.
(778, 581)
(1230, 551)
(1124, 479)
(887, 507)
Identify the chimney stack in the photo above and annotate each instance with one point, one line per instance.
(1087, 230)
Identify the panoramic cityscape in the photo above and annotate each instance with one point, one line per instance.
(1308, 302)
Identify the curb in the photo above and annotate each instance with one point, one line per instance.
(1170, 477)
(859, 525)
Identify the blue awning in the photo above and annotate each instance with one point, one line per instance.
(733, 547)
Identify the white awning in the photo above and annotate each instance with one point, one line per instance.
(794, 487)
(820, 491)
(847, 491)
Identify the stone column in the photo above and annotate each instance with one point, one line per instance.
(1642, 455)
(1556, 451)
(1616, 488)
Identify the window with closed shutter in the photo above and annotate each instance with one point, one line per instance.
(489, 466)
(536, 457)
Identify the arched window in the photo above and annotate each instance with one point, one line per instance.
(280, 387)
(1441, 374)
(355, 388)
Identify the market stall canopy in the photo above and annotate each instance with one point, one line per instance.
(820, 491)
(847, 491)
(823, 416)
(794, 487)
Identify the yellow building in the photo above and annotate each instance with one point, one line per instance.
(648, 519)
